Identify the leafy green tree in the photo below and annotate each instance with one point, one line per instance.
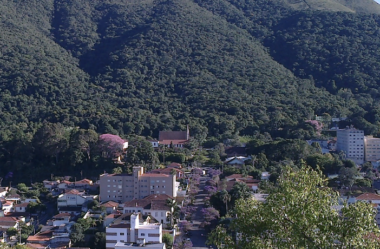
(12, 231)
(99, 240)
(347, 176)
(300, 213)
(77, 234)
(240, 191)
(168, 240)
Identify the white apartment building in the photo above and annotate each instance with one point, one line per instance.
(126, 187)
(351, 142)
(134, 232)
(372, 149)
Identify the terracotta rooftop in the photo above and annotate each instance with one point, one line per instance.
(44, 236)
(121, 225)
(25, 204)
(110, 204)
(72, 192)
(154, 175)
(368, 197)
(172, 135)
(61, 215)
(175, 165)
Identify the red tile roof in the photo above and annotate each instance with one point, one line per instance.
(110, 204)
(61, 215)
(172, 135)
(25, 204)
(368, 197)
(175, 165)
(72, 192)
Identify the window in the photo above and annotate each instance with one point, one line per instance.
(108, 185)
(108, 180)
(163, 180)
(158, 181)
(142, 234)
(121, 233)
(108, 191)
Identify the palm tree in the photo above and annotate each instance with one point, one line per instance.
(172, 204)
(226, 197)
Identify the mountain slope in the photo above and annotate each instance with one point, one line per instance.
(223, 67)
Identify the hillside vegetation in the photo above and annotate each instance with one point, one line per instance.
(224, 67)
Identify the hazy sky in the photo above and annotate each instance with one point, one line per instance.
(377, 1)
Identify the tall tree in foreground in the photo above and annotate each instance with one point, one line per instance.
(300, 213)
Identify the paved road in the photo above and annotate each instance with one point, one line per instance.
(197, 239)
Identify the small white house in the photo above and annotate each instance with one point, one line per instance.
(154, 143)
(60, 219)
(3, 191)
(265, 176)
(21, 207)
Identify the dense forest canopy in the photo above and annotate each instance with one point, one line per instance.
(223, 67)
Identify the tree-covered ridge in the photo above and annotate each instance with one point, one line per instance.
(137, 67)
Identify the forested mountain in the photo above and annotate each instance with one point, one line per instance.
(221, 66)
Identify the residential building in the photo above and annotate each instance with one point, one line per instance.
(126, 187)
(351, 142)
(175, 165)
(59, 219)
(169, 171)
(154, 143)
(135, 231)
(237, 160)
(110, 206)
(7, 206)
(50, 184)
(123, 245)
(176, 139)
(153, 205)
(372, 149)
(73, 198)
(84, 183)
(3, 191)
(21, 207)
(8, 222)
(235, 178)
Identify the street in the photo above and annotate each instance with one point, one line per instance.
(197, 239)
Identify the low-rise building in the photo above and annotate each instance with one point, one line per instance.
(59, 219)
(21, 207)
(3, 191)
(135, 231)
(153, 205)
(110, 206)
(73, 198)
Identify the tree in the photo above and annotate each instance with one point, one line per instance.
(100, 240)
(77, 235)
(347, 176)
(172, 204)
(168, 240)
(11, 231)
(117, 170)
(300, 213)
(226, 197)
(240, 191)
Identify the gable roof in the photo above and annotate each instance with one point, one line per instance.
(110, 204)
(167, 171)
(175, 165)
(151, 202)
(72, 192)
(25, 204)
(173, 135)
(368, 197)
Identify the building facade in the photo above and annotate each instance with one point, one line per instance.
(372, 148)
(134, 232)
(351, 142)
(126, 187)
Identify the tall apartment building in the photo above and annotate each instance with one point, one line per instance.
(372, 149)
(351, 142)
(126, 187)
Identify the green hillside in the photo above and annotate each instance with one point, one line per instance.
(223, 67)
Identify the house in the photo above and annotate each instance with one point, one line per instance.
(367, 197)
(237, 160)
(175, 165)
(3, 191)
(64, 185)
(136, 231)
(7, 206)
(50, 184)
(123, 245)
(74, 211)
(110, 206)
(24, 216)
(265, 176)
(175, 139)
(59, 219)
(154, 143)
(50, 238)
(21, 207)
(13, 197)
(83, 184)
(169, 171)
(233, 179)
(8, 222)
(73, 198)
(234, 151)
(153, 205)
(126, 187)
